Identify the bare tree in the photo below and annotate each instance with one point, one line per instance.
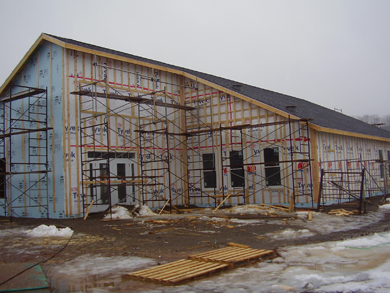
(374, 119)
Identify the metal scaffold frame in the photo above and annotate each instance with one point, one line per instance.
(163, 139)
(229, 153)
(146, 150)
(24, 121)
(361, 180)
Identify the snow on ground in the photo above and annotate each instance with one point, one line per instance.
(243, 222)
(118, 212)
(146, 211)
(290, 234)
(49, 231)
(13, 232)
(92, 265)
(342, 266)
(324, 223)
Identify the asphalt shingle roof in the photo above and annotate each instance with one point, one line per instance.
(320, 115)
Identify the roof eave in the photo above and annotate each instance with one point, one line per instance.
(42, 38)
(347, 133)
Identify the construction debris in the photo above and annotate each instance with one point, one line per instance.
(341, 212)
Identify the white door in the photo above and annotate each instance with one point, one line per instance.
(120, 172)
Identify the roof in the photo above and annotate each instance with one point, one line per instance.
(326, 119)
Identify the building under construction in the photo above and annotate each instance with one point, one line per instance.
(85, 127)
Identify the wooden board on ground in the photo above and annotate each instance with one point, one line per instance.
(178, 271)
(233, 256)
(341, 212)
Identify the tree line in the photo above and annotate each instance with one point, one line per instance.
(380, 121)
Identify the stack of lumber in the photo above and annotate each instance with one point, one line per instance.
(340, 212)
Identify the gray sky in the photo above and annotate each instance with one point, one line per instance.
(335, 53)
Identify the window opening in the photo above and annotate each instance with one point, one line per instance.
(381, 165)
(236, 169)
(121, 173)
(209, 173)
(388, 161)
(104, 188)
(2, 178)
(271, 166)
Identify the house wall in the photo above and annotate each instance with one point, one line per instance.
(340, 153)
(213, 108)
(43, 70)
(217, 108)
(127, 79)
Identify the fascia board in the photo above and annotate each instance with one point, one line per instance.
(23, 61)
(347, 133)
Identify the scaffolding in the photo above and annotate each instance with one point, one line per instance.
(168, 151)
(355, 185)
(24, 165)
(158, 137)
(286, 170)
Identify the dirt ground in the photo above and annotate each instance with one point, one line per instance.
(168, 238)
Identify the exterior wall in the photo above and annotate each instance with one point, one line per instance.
(125, 118)
(339, 153)
(213, 108)
(44, 70)
(216, 108)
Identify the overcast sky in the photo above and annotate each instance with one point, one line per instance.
(335, 53)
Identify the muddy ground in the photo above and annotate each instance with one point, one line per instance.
(168, 238)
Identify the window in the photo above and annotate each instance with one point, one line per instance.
(104, 188)
(2, 178)
(209, 173)
(237, 178)
(271, 166)
(381, 165)
(388, 161)
(121, 173)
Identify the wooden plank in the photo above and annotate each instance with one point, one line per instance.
(163, 274)
(88, 209)
(226, 198)
(195, 274)
(231, 254)
(237, 245)
(234, 256)
(186, 269)
(163, 207)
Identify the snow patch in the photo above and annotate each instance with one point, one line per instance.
(98, 265)
(365, 242)
(245, 222)
(49, 231)
(118, 212)
(146, 211)
(290, 233)
(325, 223)
(385, 206)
